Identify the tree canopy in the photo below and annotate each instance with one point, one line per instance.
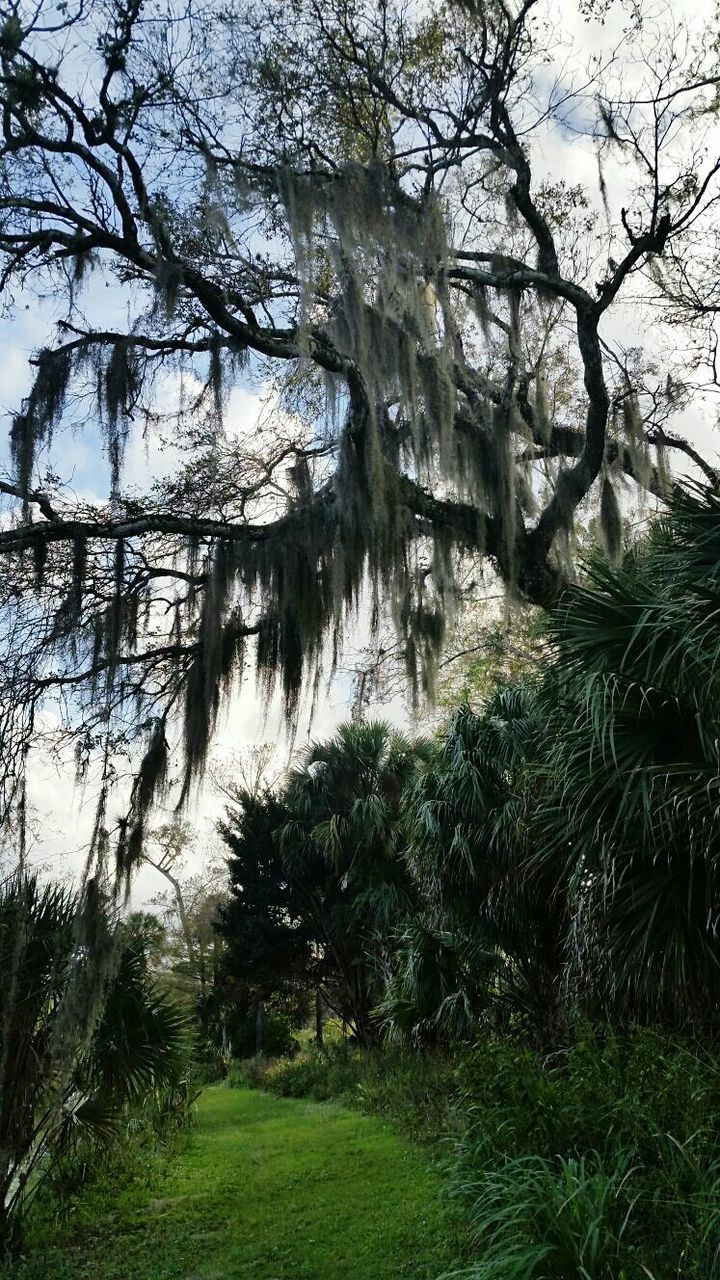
(346, 202)
(548, 857)
(318, 876)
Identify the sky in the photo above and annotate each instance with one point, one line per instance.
(63, 814)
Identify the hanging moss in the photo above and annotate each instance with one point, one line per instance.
(387, 257)
(611, 525)
(118, 385)
(41, 412)
(215, 380)
(298, 579)
(120, 381)
(148, 782)
(168, 283)
(116, 611)
(635, 440)
(215, 657)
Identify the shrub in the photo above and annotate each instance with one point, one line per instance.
(604, 1093)
(602, 1161)
(414, 1091)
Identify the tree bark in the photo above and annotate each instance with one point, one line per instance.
(318, 1019)
(259, 1027)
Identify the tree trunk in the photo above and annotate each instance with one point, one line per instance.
(318, 1019)
(259, 1018)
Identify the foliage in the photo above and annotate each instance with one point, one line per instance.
(189, 910)
(340, 203)
(151, 1133)
(552, 853)
(605, 1158)
(344, 819)
(469, 819)
(636, 700)
(318, 880)
(563, 836)
(536, 1219)
(596, 1162)
(79, 1042)
(265, 924)
(276, 1033)
(417, 1093)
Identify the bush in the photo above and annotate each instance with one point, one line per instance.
(414, 1091)
(247, 1073)
(317, 1074)
(602, 1162)
(82, 1186)
(210, 1063)
(599, 1163)
(278, 1039)
(602, 1094)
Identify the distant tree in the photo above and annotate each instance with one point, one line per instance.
(344, 829)
(192, 948)
(271, 956)
(151, 935)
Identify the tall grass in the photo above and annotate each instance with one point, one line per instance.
(533, 1219)
(600, 1164)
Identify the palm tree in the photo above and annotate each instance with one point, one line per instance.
(498, 931)
(631, 822)
(572, 826)
(345, 828)
(83, 1032)
(439, 984)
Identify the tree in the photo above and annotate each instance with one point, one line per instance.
(564, 838)
(357, 216)
(344, 829)
(319, 883)
(630, 818)
(78, 1043)
(271, 959)
(190, 910)
(497, 932)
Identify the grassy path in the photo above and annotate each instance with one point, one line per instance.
(271, 1189)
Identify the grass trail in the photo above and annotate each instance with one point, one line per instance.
(270, 1189)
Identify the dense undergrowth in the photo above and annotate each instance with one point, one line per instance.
(601, 1162)
(84, 1186)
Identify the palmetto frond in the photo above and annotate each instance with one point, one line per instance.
(634, 772)
(439, 984)
(83, 1030)
(142, 1040)
(344, 828)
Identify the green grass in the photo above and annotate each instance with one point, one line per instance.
(267, 1189)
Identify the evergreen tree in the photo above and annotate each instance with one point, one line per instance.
(271, 957)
